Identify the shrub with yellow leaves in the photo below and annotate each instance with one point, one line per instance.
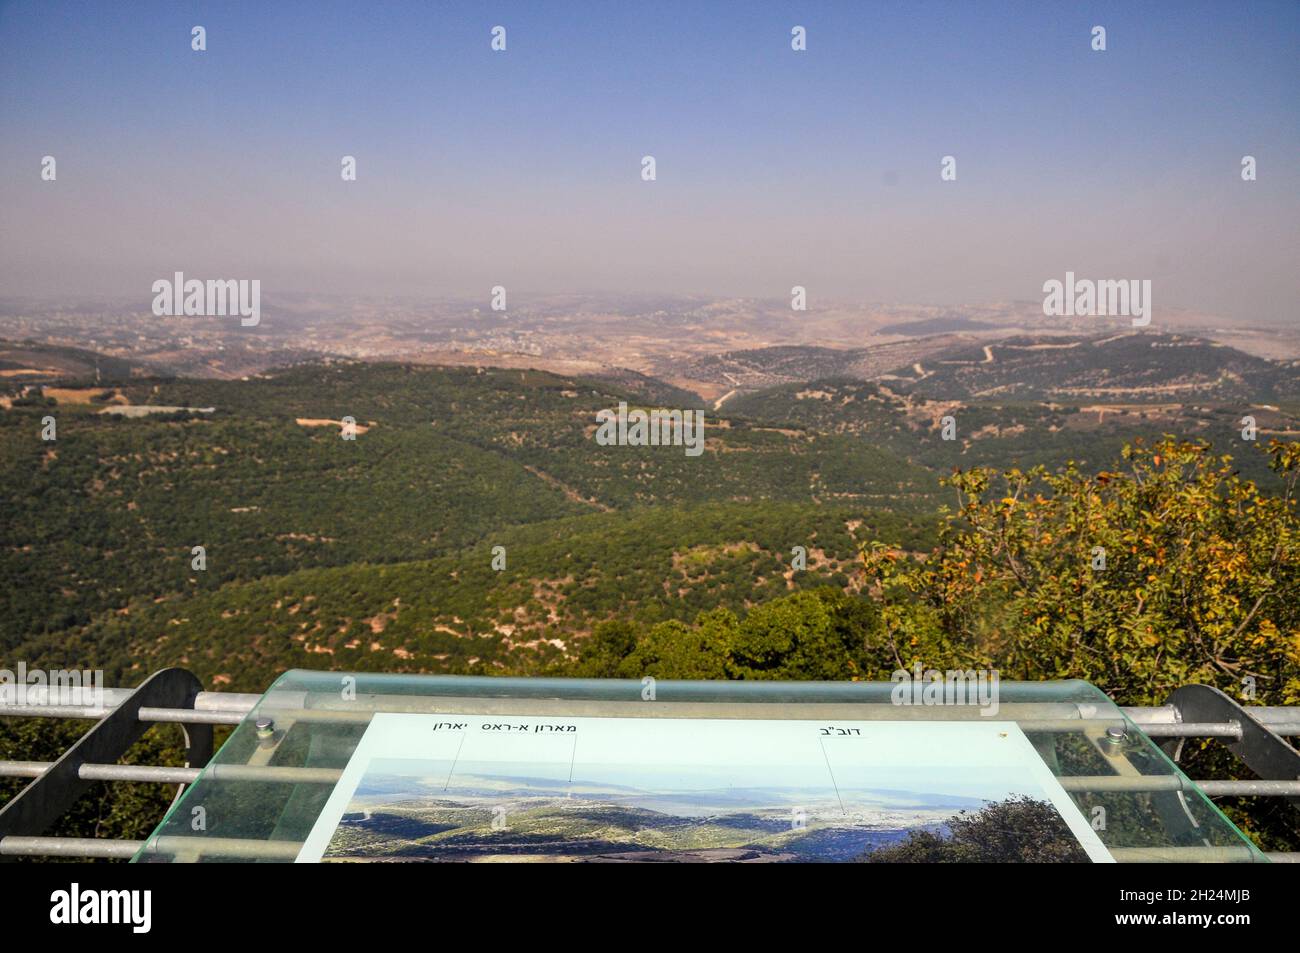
(1165, 571)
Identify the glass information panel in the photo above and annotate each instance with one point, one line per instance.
(354, 767)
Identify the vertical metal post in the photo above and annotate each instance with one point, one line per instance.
(50, 796)
(1263, 751)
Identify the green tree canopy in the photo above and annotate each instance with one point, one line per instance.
(1169, 571)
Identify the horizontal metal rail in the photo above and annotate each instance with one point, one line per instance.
(227, 847)
(1238, 853)
(272, 774)
(1249, 788)
(160, 774)
(1206, 729)
(275, 774)
(1145, 783)
(210, 708)
(91, 847)
(230, 708)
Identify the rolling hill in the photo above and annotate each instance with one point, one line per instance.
(376, 553)
(1130, 366)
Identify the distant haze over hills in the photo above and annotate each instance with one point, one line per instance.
(712, 347)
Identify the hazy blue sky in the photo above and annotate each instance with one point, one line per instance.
(775, 168)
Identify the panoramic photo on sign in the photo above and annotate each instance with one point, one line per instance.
(429, 787)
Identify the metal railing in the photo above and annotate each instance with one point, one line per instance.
(1255, 735)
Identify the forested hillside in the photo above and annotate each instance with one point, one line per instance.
(377, 552)
(446, 463)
